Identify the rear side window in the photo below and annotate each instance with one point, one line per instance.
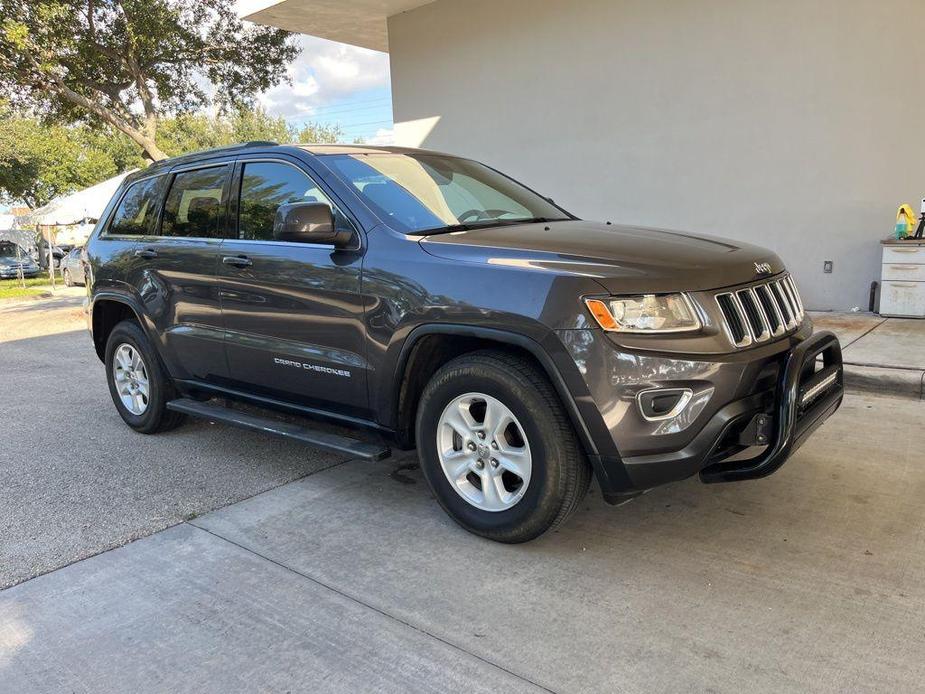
(195, 204)
(267, 185)
(137, 213)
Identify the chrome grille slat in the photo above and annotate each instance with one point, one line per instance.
(757, 323)
(775, 318)
(761, 312)
(785, 309)
(736, 323)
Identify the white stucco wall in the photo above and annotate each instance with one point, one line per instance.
(795, 125)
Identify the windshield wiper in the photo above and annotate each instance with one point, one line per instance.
(468, 226)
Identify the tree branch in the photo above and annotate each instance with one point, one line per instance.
(148, 144)
(147, 99)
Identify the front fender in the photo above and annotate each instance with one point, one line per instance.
(552, 357)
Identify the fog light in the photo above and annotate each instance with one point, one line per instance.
(656, 404)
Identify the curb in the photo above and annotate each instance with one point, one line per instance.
(904, 383)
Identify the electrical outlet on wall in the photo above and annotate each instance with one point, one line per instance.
(827, 266)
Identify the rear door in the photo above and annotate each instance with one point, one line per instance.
(293, 312)
(177, 277)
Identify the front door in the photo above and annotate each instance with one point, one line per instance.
(293, 312)
(176, 276)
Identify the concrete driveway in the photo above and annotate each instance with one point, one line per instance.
(74, 480)
(351, 578)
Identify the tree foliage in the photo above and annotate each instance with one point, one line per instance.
(39, 161)
(130, 63)
(192, 132)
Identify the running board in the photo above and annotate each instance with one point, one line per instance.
(293, 432)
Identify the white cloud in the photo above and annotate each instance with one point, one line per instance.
(326, 72)
(383, 136)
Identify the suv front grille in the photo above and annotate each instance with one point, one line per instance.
(761, 312)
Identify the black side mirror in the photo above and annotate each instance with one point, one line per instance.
(308, 222)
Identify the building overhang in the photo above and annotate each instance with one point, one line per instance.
(357, 22)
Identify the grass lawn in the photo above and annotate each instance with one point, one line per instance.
(12, 289)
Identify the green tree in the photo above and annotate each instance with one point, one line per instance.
(129, 63)
(39, 162)
(190, 132)
(318, 133)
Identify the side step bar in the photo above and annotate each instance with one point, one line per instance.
(293, 432)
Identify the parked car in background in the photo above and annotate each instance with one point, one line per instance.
(12, 259)
(72, 267)
(57, 253)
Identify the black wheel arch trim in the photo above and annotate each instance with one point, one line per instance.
(562, 373)
(133, 305)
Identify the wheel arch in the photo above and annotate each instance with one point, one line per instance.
(107, 310)
(425, 350)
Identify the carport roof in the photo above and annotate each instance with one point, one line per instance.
(357, 22)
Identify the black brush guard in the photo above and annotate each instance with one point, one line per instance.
(805, 398)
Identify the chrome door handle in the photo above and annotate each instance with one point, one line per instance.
(146, 253)
(237, 260)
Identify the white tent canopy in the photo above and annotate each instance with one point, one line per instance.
(74, 208)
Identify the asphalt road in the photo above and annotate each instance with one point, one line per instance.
(74, 480)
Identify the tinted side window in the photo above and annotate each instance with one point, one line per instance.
(267, 185)
(137, 213)
(194, 206)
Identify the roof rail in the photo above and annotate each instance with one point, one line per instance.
(259, 143)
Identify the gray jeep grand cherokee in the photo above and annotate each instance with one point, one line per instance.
(444, 306)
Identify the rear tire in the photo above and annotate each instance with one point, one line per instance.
(138, 384)
(462, 402)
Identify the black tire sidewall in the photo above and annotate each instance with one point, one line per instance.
(129, 332)
(540, 505)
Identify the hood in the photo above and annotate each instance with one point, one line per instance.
(621, 258)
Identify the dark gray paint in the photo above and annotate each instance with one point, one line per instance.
(359, 311)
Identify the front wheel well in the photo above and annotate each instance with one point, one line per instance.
(427, 356)
(107, 314)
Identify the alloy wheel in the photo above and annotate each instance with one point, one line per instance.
(131, 378)
(484, 452)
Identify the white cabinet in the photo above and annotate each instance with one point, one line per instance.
(902, 279)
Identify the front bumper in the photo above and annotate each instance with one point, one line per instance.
(777, 396)
(27, 273)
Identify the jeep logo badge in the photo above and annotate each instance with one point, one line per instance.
(763, 268)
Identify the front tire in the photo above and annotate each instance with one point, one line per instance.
(139, 387)
(498, 449)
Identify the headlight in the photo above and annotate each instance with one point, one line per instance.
(649, 313)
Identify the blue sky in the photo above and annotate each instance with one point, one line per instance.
(337, 84)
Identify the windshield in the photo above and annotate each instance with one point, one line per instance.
(8, 250)
(427, 192)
